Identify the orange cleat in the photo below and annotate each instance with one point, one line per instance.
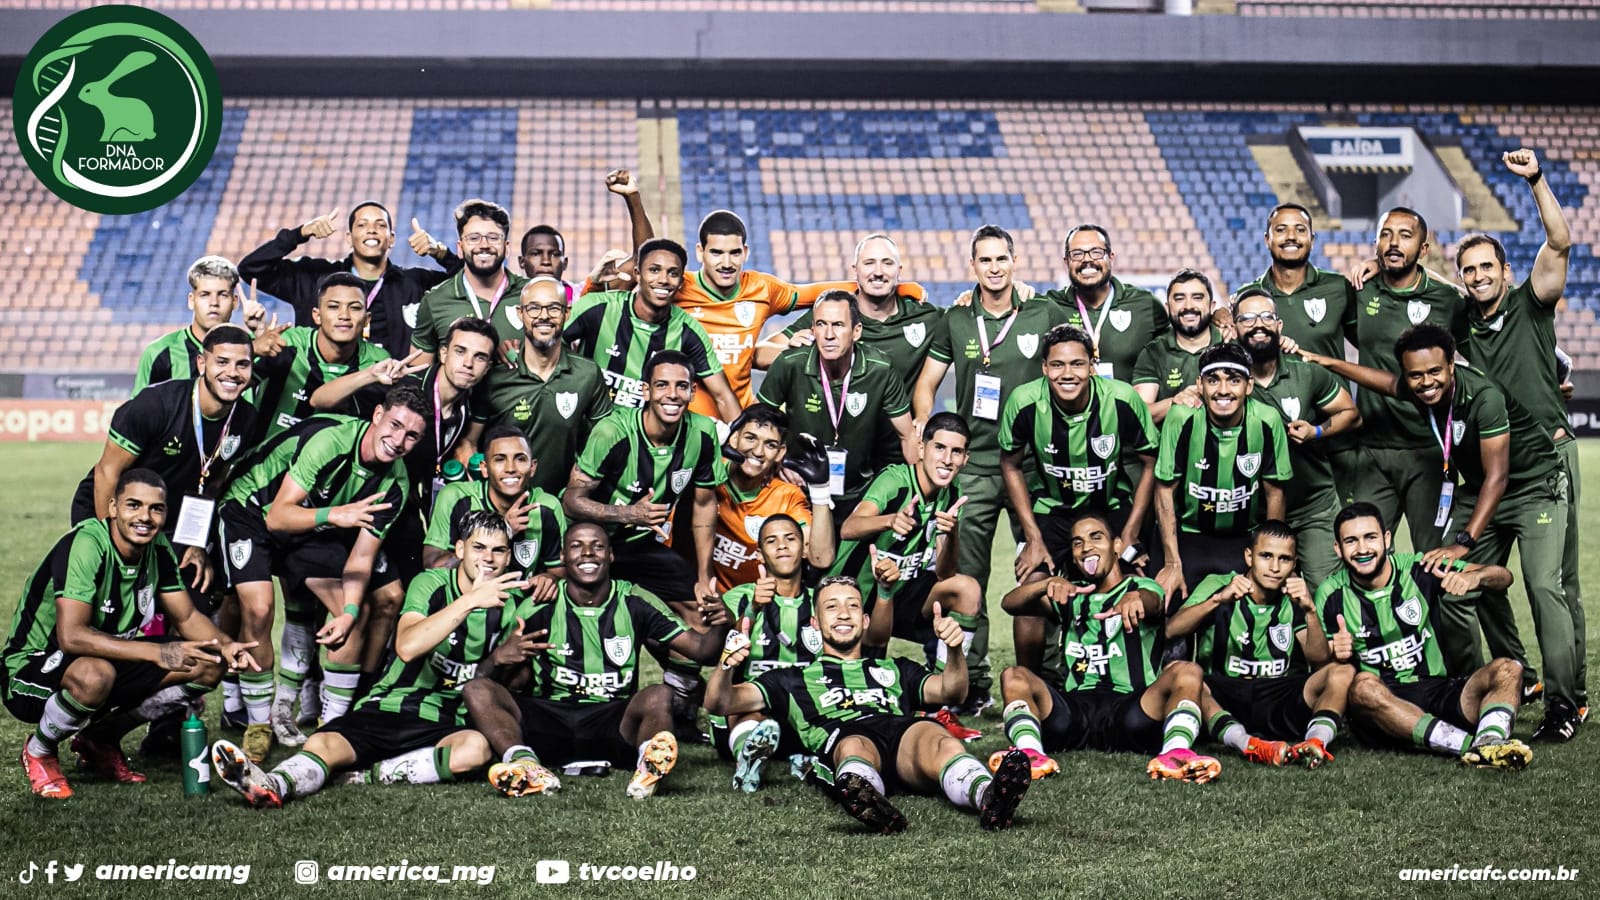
(44, 776)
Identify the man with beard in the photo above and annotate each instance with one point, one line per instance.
(481, 288)
(1095, 299)
(1513, 341)
(755, 492)
(1213, 463)
(1169, 366)
(898, 325)
(1316, 407)
(855, 711)
(502, 487)
(1318, 307)
(1481, 431)
(621, 330)
(1378, 611)
(212, 285)
(390, 293)
(544, 250)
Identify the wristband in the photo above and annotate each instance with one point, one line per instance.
(1132, 552)
(352, 610)
(1535, 178)
(820, 495)
(1319, 432)
(322, 515)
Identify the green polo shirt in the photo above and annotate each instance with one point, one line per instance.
(1015, 360)
(449, 300)
(1299, 391)
(1135, 319)
(1517, 348)
(876, 394)
(1482, 410)
(1170, 367)
(1382, 315)
(556, 415)
(903, 337)
(1317, 315)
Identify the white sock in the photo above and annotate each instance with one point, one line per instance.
(298, 648)
(301, 775)
(416, 767)
(256, 688)
(232, 700)
(63, 717)
(964, 779)
(739, 733)
(1181, 726)
(858, 766)
(519, 750)
(338, 691)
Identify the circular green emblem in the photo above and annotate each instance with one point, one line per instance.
(117, 109)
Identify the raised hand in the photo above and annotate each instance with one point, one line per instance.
(543, 588)
(736, 646)
(945, 628)
(766, 586)
(1238, 589)
(606, 269)
(1521, 163)
(1297, 590)
(268, 341)
(322, 226)
(884, 569)
(389, 371)
(238, 656)
(185, 656)
(621, 181)
(422, 243)
(1131, 609)
(520, 647)
(905, 519)
(1342, 643)
(1033, 555)
(255, 312)
(519, 514)
(946, 520)
(492, 593)
(360, 514)
(1060, 590)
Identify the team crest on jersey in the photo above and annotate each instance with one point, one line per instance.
(55, 659)
(409, 314)
(1028, 344)
(855, 403)
(1458, 430)
(680, 480)
(1120, 319)
(1410, 612)
(147, 601)
(239, 553)
(811, 638)
(1113, 625)
(1248, 463)
(914, 333)
(1291, 408)
(752, 526)
(1279, 635)
(745, 312)
(230, 446)
(882, 675)
(1316, 308)
(618, 648)
(1103, 444)
(1417, 311)
(525, 552)
(567, 403)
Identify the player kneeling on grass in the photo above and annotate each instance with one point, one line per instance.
(77, 661)
(1259, 638)
(855, 712)
(1379, 610)
(576, 700)
(1113, 695)
(412, 726)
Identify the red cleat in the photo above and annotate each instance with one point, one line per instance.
(1311, 753)
(1267, 753)
(44, 776)
(106, 760)
(953, 725)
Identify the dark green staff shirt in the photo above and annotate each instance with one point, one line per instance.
(1382, 315)
(1320, 314)
(1517, 348)
(1135, 319)
(555, 415)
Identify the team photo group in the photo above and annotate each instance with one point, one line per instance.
(435, 523)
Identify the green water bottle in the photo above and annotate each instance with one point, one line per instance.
(474, 466)
(452, 471)
(196, 757)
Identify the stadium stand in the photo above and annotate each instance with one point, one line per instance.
(808, 6)
(1426, 9)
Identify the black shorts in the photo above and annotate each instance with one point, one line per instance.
(656, 568)
(1273, 708)
(251, 552)
(788, 741)
(560, 733)
(1098, 721)
(248, 548)
(376, 735)
(1439, 697)
(39, 676)
(325, 555)
(909, 622)
(885, 732)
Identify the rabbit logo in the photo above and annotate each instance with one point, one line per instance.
(117, 109)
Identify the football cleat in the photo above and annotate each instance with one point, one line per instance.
(1183, 764)
(953, 725)
(521, 777)
(237, 771)
(1560, 724)
(105, 760)
(1267, 753)
(659, 756)
(758, 745)
(1039, 765)
(161, 739)
(44, 775)
(257, 742)
(1509, 754)
(310, 703)
(1533, 693)
(1311, 753)
(284, 729)
(236, 719)
(1011, 779)
(865, 803)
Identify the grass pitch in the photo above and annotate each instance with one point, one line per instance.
(1099, 829)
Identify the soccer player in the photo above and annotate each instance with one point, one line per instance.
(213, 283)
(855, 711)
(412, 728)
(781, 614)
(754, 492)
(622, 330)
(1094, 299)
(578, 698)
(503, 487)
(1378, 611)
(1512, 490)
(1266, 659)
(552, 394)
(1318, 307)
(814, 386)
(315, 508)
(1169, 366)
(1316, 408)
(482, 286)
(898, 326)
(1212, 464)
(993, 347)
(1512, 339)
(544, 250)
(390, 293)
(76, 660)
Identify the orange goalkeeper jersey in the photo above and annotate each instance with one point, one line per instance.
(734, 556)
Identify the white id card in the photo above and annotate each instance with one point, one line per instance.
(986, 396)
(1447, 494)
(1105, 370)
(194, 521)
(837, 459)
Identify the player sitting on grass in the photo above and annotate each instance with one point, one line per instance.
(412, 727)
(1114, 695)
(1259, 638)
(856, 713)
(577, 699)
(1379, 610)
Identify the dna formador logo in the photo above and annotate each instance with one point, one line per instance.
(117, 109)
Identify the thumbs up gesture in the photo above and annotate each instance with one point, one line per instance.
(905, 520)
(322, 226)
(736, 646)
(884, 569)
(947, 519)
(1343, 644)
(945, 628)
(766, 586)
(422, 243)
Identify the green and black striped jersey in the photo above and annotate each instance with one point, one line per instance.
(829, 692)
(916, 553)
(1078, 454)
(323, 455)
(288, 379)
(538, 547)
(628, 466)
(594, 653)
(84, 565)
(1219, 471)
(429, 687)
(1391, 626)
(1246, 639)
(1097, 655)
(783, 633)
(170, 358)
(603, 327)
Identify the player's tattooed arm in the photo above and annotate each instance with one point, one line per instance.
(581, 507)
(195, 627)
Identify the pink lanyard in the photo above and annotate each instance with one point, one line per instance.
(836, 412)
